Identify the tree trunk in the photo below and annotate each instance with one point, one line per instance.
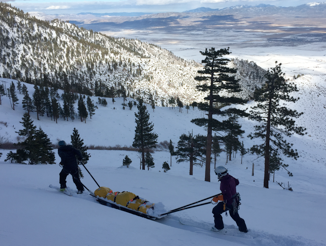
(143, 158)
(268, 132)
(191, 169)
(209, 133)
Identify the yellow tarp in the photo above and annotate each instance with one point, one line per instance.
(125, 198)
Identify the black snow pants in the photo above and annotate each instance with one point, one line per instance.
(218, 220)
(75, 177)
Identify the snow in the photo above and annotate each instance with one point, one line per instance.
(34, 214)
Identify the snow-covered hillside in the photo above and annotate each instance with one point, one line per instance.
(32, 48)
(274, 216)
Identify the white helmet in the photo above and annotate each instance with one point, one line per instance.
(221, 171)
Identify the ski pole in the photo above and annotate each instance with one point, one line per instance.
(188, 205)
(89, 173)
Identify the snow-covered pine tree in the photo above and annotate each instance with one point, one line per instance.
(78, 143)
(126, 161)
(144, 138)
(218, 80)
(275, 121)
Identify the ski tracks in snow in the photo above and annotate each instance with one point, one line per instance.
(232, 234)
(229, 233)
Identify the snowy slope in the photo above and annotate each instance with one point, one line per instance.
(42, 216)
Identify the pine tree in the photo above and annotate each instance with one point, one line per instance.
(24, 89)
(19, 87)
(190, 148)
(126, 161)
(28, 133)
(36, 148)
(55, 109)
(44, 148)
(90, 107)
(130, 105)
(243, 151)
(171, 150)
(216, 149)
(78, 143)
(28, 103)
(149, 160)
(12, 95)
(165, 166)
(82, 111)
(153, 104)
(38, 102)
(65, 110)
(275, 121)
(144, 138)
(219, 81)
(47, 103)
(2, 93)
(231, 140)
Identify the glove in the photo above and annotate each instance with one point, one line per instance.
(218, 198)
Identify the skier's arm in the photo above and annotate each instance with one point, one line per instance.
(78, 153)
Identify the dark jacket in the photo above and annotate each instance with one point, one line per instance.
(228, 188)
(68, 157)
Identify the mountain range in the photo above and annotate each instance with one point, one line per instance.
(32, 49)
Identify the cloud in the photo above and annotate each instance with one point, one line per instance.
(58, 7)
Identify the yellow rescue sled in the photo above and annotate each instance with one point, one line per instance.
(126, 201)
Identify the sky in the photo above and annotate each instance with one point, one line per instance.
(147, 6)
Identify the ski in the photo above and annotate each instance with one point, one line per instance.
(67, 191)
(229, 230)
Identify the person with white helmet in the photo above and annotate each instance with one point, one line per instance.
(229, 200)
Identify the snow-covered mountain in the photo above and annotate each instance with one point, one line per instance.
(32, 48)
(268, 9)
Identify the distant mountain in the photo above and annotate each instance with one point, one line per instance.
(200, 10)
(131, 14)
(264, 8)
(33, 50)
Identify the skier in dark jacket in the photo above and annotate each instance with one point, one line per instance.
(68, 161)
(229, 201)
